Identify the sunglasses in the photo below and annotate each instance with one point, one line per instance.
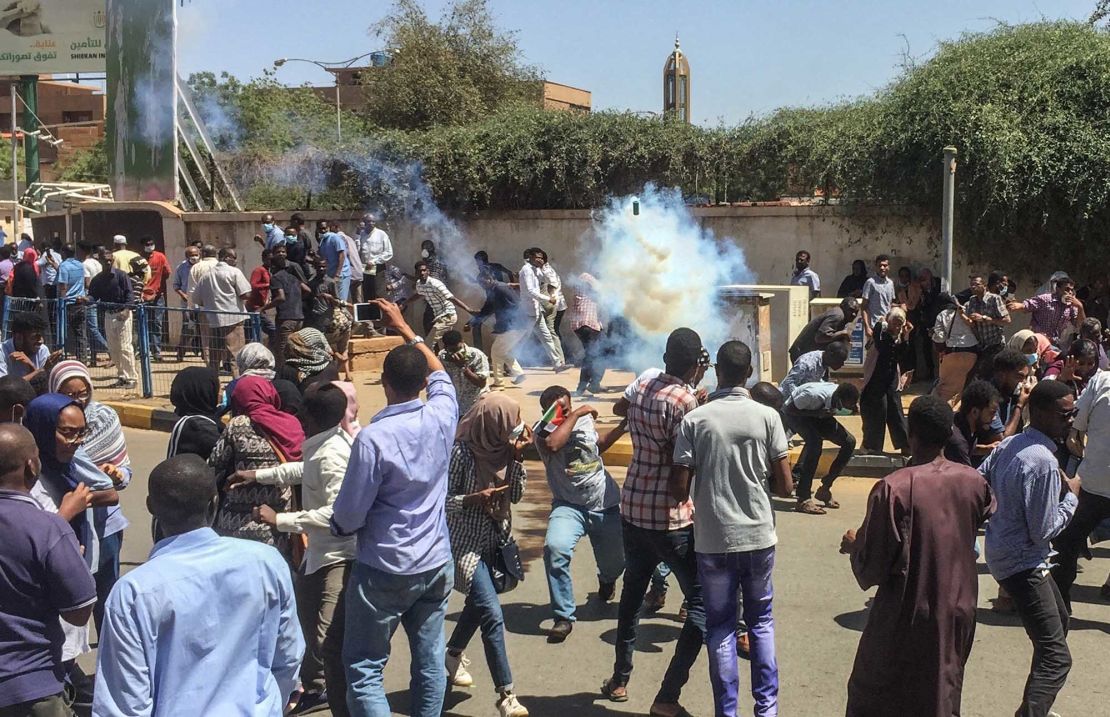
(72, 435)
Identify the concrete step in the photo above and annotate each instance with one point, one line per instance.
(368, 354)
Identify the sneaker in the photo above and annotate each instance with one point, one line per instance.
(509, 706)
(560, 631)
(654, 602)
(457, 674)
(581, 390)
(595, 388)
(605, 591)
(519, 379)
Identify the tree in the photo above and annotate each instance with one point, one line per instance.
(451, 72)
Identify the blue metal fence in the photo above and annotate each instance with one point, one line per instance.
(164, 339)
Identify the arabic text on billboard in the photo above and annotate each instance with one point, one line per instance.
(51, 36)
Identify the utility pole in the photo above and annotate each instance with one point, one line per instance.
(30, 124)
(17, 225)
(946, 216)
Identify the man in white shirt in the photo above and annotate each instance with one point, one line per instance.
(534, 302)
(327, 561)
(223, 290)
(375, 250)
(208, 259)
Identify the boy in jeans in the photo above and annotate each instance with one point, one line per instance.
(586, 501)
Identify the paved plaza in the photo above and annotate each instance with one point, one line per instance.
(819, 612)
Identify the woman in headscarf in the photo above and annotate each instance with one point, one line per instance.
(105, 447)
(59, 428)
(1025, 341)
(58, 424)
(350, 422)
(485, 479)
(253, 359)
(195, 395)
(309, 359)
(289, 397)
(853, 283)
(259, 435)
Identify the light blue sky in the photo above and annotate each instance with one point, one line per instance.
(747, 56)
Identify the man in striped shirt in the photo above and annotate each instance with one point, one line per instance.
(440, 300)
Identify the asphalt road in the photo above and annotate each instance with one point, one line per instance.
(819, 612)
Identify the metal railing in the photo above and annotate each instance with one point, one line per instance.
(150, 340)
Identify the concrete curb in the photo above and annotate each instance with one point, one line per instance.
(138, 415)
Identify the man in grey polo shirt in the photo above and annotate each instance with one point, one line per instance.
(728, 448)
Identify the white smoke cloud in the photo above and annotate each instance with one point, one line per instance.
(661, 270)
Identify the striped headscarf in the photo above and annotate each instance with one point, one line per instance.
(309, 352)
(105, 442)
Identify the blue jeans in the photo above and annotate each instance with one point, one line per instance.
(643, 550)
(107, 574)
(565, 527)
(97, 342)
(343, 288)
(722, 574)
(377, 602)
(155, 318)
(483, 609)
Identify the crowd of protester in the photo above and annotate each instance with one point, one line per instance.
(292, 542)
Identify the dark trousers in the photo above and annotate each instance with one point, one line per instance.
(815, 430)
(52, 706)
(880, 407)
(1092, 510)
(107, 574)
(984, 365)
(370, 284)
(592, 369)
(643, 550)
(320, 605)
(1045, 617)
(76, 319)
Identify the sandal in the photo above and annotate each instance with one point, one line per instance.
(824, 496)
(809, 507)
(613, 691)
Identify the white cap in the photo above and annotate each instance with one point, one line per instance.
(119, 239)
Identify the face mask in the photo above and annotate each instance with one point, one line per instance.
(290, 239)
(1031, 359)
(267, 228)
(425, 253)
(516, 433)
(192, 259)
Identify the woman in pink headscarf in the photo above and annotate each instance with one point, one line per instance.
(259, 435)
(350, 422)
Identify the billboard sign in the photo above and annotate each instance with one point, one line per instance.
(39, 37)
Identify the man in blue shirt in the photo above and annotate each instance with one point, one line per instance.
(71, 289)
(43, 577)
(1027, 482)
(333, 247)
(272, 235)
(208, 625)
(25, 354)
(393, 498)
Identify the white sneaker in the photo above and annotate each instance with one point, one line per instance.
(457, 674)
(508, 706)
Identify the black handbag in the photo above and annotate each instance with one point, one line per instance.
(506, 569)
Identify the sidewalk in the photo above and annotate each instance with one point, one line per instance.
(157, 414)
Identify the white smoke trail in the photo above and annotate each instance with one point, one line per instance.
(660, 270)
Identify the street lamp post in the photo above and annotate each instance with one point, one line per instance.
(330, 66)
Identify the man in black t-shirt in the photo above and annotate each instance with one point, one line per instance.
(288, 286)
(831, 326)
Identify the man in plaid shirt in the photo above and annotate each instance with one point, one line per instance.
(441, 302)
(1051, 313)
(989, 314)
(656, 527)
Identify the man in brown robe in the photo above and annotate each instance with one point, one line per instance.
(917, 545)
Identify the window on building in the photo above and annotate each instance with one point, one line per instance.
(78, 116)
